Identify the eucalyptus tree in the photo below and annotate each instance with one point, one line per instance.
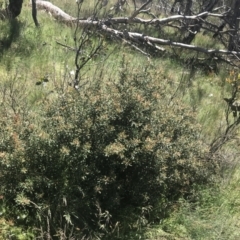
(14, 9)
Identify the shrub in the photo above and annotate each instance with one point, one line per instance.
(98, 158)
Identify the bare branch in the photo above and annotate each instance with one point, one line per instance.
(139, 10)
(56, 12)
(68, 47)
(105, 24)
(160, 41)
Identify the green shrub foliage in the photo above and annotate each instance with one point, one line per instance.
(93, 157)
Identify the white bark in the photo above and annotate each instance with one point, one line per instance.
(55, 11)
(132, 37)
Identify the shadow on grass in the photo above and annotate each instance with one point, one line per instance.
(11, 35)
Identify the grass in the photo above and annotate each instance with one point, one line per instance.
(215, 216)
(27, 54)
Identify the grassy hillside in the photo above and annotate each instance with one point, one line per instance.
(29, 55)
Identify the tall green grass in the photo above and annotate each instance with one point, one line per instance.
(215, 215)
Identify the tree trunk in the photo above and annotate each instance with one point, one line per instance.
(14, 8)
(233, 44)
(188, 8)
(34, 13)
(197, 25)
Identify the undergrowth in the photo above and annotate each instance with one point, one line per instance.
(123, 158)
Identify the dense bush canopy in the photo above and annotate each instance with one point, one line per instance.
(92, 156)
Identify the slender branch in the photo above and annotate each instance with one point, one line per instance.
(66, 46)
(139, 10)
(135, 47)
(133, 36)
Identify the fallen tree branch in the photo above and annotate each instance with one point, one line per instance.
(55, 11)
(155, 21)
(59, 14)
(160, 41)
(104, 24)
